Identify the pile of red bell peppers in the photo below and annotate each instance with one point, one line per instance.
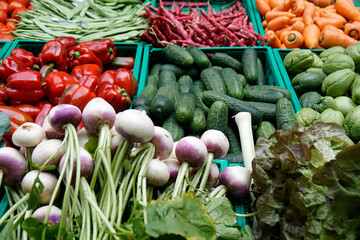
(65, 72)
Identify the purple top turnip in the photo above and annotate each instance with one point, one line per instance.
(174, 167)
(51, 133)
(63, 114)
(163, 142)
(12, 165)
(172, 154)
(157, 174)
(28, 134)
(192, 150)
(216, 142)
(46, 149)
(237, 180)
(54, 217)
(83, 136)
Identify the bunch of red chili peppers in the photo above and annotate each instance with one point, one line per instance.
(65, 72)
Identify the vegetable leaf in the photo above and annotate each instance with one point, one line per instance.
(6, 232)
(34, 198)
(92, 144)
(5, 124)
(184, 216)
(35, 227)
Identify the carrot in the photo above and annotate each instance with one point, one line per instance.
(329, 38)
(274, 14)
(286, 28)
(309, 13)
(331, 27)
(322, 3)
(282, 46)
(351, 2)
(352, 30)
(269, 33)
(278, 23)
(293, 39)
(283, 35)
(298, 8)
(294, 20)
(319, 47)
(262, 6)
(285, 6)
(274, 41)
(332, 6)
(298, 26)
(327, 14)
(264, 23)
(274, 3)
(344, 8)
(322, 22)
(311, 36)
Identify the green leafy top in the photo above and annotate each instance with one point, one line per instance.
(5, 127)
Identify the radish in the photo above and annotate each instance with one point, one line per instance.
(174, 167)
(51, 149)
(47, 179)
(54, 217)
(163, 142)
(28, 134)
(158, 173)
(12, 166)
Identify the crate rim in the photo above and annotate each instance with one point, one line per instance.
(5, 45)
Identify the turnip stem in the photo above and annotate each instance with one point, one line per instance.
(180, 178)
(1, 176)
(205, 175)
(185, 183)
(221, 193)
(24, 233)
(120, 207)
(28, 152)
(196, 178)
(14, 208)
(217, 190)
(119, 156)
(20, 216)
(97, 162)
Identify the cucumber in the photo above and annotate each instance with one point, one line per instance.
(185, 107)
(178, 55)
(285, 119)
(185, 84)
(234, 105)
(218, 68)
(212, 80)
(167, 78)
(145, 97)
(200, 58)
(198, 89)
(179, 71)
(217, 117)
(268, 110)
(232, 83)
(152, 80)
(234, 140)
(225, 60)
(265, 95)
(173, 127)
(143, 108)
(198, 123)
(242, 80)
(265, 129)
(234, 157)
(163, 104)
(272, 87)
(155, 70)
(261, 80)
(249, 64)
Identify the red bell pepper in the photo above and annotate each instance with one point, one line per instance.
(53, 53)
(115, 95)
(123, 62)
(56, 83)
(3, 96)
(122, 78)
(87, 75)
(25, 86)
(41, 103)
(68, 42)
(80, 55)
(44, 111)
(10, 65)
(33, 111)
(104, 49)
(26, 58)
(77, 95)
(17, 117)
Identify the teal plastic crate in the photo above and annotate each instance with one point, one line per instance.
(123, 50)
(279, 56)
(4, 46)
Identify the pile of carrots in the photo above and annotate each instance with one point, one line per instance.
(313, 24)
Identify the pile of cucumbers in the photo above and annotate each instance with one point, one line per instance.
(192, 92)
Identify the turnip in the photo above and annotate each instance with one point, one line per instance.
(48, 180)
(172, 154)
(50, 132)
(213, 176)
(12, 166)
(28, 134)
(158, 173)
(54, 217)
(83, 136)
(51, 149)
(163, 142)
(116, 140)
(174, 167)
(61, 115)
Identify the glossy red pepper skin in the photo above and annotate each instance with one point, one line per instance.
(123, 62)
(9, 66)
(68, 42)
(104, 49)
(44, 111)
(77, 95)
(26, 57)
(25, 86)
(3, 96)
(115, 95)
(17, 117)
(87, 75)
(80, 55)
(33, 111)
(56, 83)
(54, 53)
(122, 78)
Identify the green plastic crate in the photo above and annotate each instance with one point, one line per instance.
(4, 46)
(123, 49)
(279, 56)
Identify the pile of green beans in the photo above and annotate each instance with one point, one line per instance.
(85, 20)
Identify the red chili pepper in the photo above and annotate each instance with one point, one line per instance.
(3, 95)
(77, 95)
(9, 66)
(17, 117)
(80, 55)
(104, 49)
(115, 95)
(53, 53)
(44, 111)
(68, 42)
(87, 75)
(33, 111)
(122, 78)
(123, 62)
(25, 86)
(56, 83)
(26, 57)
